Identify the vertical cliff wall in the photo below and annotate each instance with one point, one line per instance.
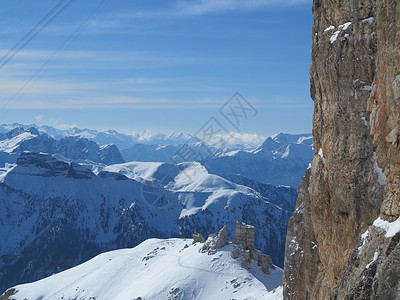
(355, 85)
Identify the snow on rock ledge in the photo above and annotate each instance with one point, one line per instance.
(391, 228)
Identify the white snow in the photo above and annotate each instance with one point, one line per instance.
(329, 28)
(335, 35)
(368, 20)
(364, 239)
(300, 209)
(135, 170)
(345, 26)
(321, 153)
(304, 138)
(379, 172)
(9, 145)
(376, 255)
(158, 269)
(4, 171)
(391, 228)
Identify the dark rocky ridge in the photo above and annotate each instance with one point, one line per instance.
(355, 78)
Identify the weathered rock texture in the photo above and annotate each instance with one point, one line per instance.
(215, 242)
(244, 234)
(242, 246)
(355, 82)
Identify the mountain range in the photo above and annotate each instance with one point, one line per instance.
(70, 199)
(279, 160)
(56, 213)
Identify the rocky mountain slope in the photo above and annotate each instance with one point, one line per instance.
(343, 240)
(166, 269)
(67, 212)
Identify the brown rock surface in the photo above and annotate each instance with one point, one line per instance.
(244, 235)
(385, 103)
(356, 49)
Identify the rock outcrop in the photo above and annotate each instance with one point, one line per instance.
(244, 234)
(215, 242)
(354, 176)
(198, 238)
(242, 246)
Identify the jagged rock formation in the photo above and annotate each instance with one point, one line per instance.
(198, 238)
(215, 242)
(355, 82)
(244, 234)
(242, 246)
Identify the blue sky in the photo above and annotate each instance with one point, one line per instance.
(160, 65)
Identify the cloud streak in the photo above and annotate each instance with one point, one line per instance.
(204, 7)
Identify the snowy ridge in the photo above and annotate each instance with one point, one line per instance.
(158, 269)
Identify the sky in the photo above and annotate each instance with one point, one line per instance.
(165, 66)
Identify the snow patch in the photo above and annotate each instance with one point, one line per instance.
(391, 228)
(364, 239)
(300, 209)
(376, 255)
(329, 28)
(321, 153)
(341, 28)
(368, 20)
(334, 36)
(345, 26)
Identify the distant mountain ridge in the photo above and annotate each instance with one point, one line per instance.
(20, 139)
(121, 140)
(279, 160)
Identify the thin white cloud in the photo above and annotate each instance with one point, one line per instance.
(203, 7)
(236, 138)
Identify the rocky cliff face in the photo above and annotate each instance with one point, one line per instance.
(355, 85)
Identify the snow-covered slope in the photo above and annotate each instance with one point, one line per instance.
(67, 212)
(158, 269)
(20, 139)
